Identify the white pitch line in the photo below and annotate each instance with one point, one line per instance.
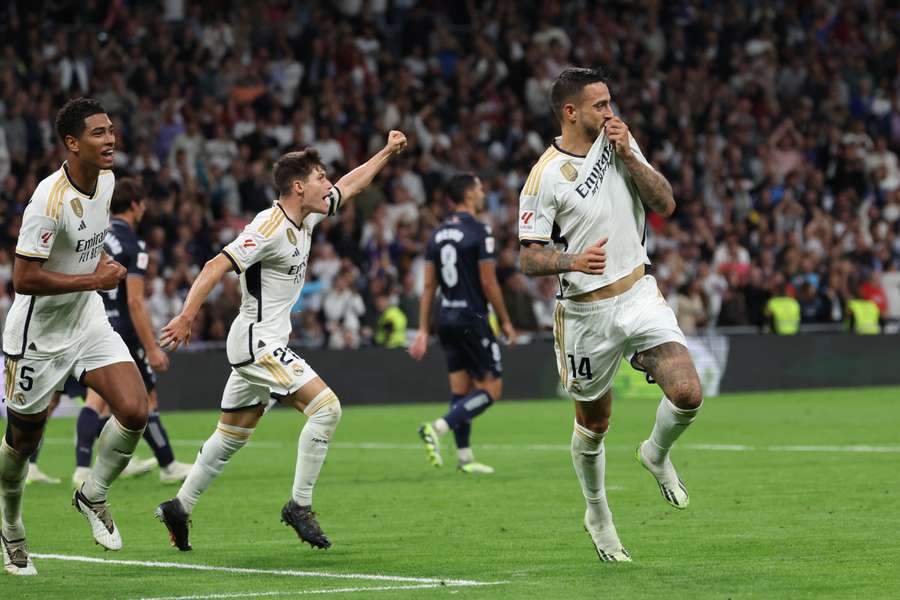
(285, 572)
(852, 448)
(61, 441)
(297, 592)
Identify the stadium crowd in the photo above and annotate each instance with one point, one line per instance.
(777, 123)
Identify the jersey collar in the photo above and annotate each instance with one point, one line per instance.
(278, 204)
(556, 145)
(89, 195)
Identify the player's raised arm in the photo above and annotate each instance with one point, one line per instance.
(654, 188)
(178, 330)
(359, 178)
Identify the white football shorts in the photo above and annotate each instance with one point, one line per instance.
(591, 338)
(32, 379)
(277, 371)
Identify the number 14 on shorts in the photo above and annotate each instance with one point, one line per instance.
(583, 369)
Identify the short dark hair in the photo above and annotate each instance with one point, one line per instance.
(127, 190)
(70, 118)
(459, 185)
(569, 84)
(293, 166)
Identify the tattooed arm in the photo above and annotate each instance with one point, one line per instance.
(654, 189)
(536, 259)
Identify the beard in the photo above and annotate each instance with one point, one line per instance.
(592, 132)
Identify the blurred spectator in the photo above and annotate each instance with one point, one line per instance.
(391, 329)
(343, 307)
(691, 308)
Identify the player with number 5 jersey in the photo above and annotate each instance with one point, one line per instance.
(270, 256)
(460, 259)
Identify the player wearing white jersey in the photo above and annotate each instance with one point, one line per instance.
(57, 327)
(270, 255)
(581, 217)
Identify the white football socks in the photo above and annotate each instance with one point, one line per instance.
(211, 460)
(671, 422)
(589, 460)
(114, 449)
(324, 414)
(13, 469)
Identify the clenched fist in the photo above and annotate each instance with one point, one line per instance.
(396, 142)
(108, 273)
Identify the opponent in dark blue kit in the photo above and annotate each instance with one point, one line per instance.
(460, 258)
(127, 313)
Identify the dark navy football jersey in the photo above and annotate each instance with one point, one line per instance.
(124, 246)
(456, 247)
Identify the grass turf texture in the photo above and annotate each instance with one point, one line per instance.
(765, 523)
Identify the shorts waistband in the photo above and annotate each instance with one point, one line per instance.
(587, 308)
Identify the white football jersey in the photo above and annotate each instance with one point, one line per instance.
(64, 227)
(574, 201)
(270, 255)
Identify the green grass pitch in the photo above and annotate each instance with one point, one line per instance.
(793, 495)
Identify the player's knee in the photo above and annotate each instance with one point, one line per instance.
(325, 409)
(22, 443)
(597, 424)
(688, 396)
(330, 415)
(135, 414)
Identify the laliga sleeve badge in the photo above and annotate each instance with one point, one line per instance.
(45, 238)
(246, 248)
(526, 221)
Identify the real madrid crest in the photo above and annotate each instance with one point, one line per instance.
(19, 398)
(569, 171)
(77, 208)
(292, 238)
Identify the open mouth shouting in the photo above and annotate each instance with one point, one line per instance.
(106, 156)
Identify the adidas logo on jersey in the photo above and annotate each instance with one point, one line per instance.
(296, 252)
(82, 227)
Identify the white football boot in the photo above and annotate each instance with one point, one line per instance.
(80, 476)
(606, 540)
(15, 557)
(103, 528)
(174, 472)
(35, 475)
(138, 466)
(670, 485)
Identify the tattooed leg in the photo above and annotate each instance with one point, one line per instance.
(672, 368)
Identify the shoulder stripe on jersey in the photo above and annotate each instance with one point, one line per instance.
(533, 185)
(529, 182)
(272, 224)
(268, 222)
(49, 211)
(60, 197)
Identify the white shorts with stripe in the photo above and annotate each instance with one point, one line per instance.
(276, 371)
(591, 338)
(32, 378)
